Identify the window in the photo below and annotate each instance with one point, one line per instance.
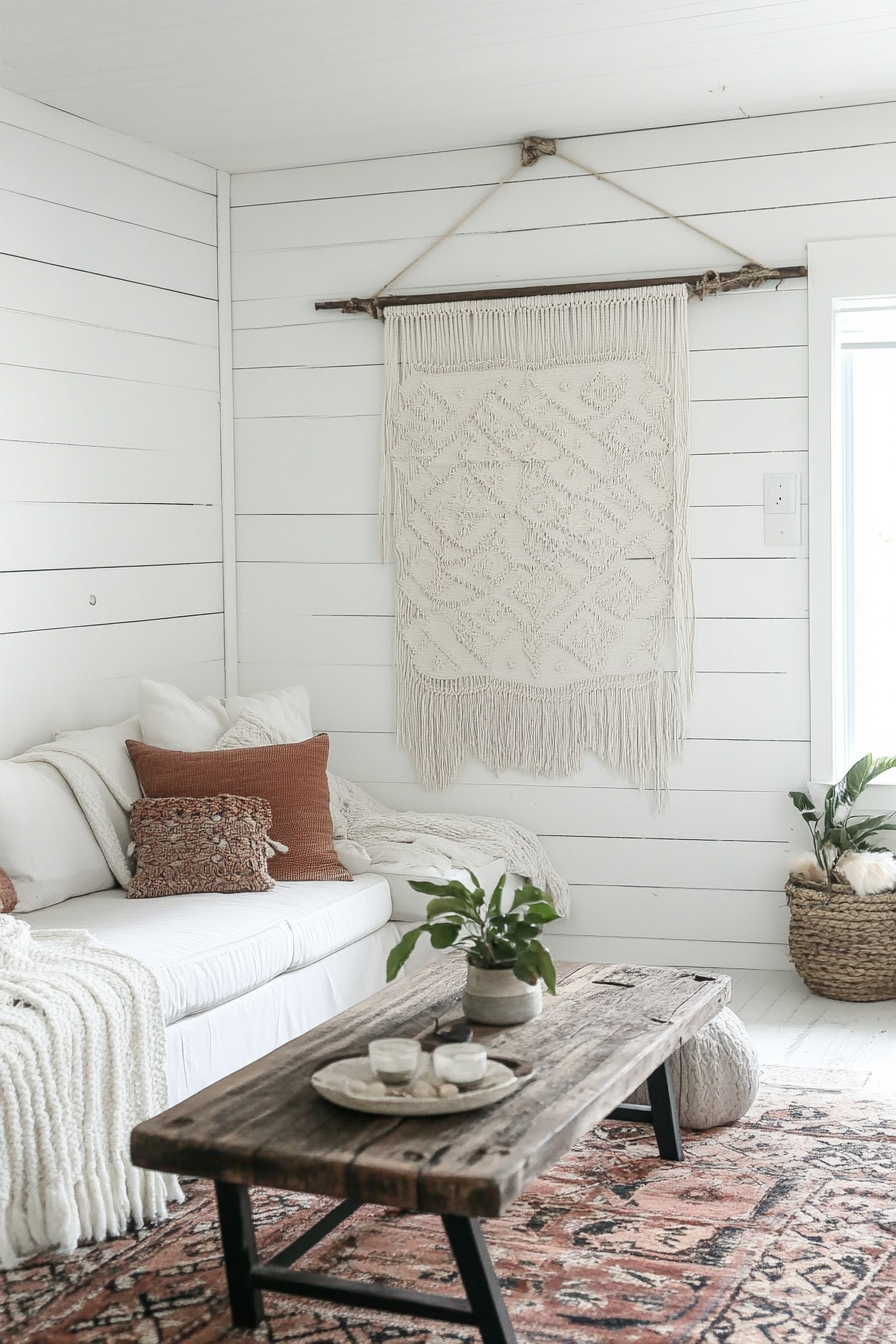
(852, 501)
(865, 384)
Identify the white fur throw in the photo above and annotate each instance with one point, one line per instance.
(81, 1063)
(535, 499)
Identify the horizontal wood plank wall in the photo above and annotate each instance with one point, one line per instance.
(110, 523)
(700, 883)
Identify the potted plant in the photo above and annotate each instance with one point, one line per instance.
(506, 963)
(841, 896)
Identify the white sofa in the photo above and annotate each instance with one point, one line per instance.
(239, 974)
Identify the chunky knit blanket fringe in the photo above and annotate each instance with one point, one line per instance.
(427, 844)
(534, 495)
(81, 1063)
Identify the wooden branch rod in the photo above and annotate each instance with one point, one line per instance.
(576, 287)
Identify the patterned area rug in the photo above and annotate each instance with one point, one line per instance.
(775, 1231)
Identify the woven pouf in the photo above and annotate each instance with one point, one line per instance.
(716, 1074)
(843, 945)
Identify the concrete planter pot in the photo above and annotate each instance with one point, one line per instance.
(496, 998)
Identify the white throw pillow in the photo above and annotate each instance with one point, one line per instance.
(288, 712)
(46, 845)
(171, 719)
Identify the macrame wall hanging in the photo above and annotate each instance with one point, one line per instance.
(534, 496)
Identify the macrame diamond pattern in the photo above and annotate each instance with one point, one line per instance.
(531, 550)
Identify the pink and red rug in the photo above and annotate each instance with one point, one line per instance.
(774, 1231)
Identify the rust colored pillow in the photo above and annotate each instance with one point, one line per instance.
(293, 779)
(200, 844)
(8, 895)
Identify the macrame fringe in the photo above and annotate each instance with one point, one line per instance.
(635, 727)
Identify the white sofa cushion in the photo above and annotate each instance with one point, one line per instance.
(208, 948)
(409, 906)
(46, 845)
(171, 719)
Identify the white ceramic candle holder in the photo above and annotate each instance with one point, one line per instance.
(464, 1063)
(394, 1059)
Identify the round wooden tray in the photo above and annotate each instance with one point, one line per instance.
(332, 1079)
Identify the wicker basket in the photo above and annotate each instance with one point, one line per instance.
(843, 945)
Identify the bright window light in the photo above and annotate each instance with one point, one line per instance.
(866, 356)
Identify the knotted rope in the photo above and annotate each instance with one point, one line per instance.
(534, 147)
(750, 276)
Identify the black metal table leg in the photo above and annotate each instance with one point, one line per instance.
(240, 1253)
(483, 1307)
(664, 1112)
(479, 1279)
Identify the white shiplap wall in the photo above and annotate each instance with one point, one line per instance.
(109, 423)
(702, 881)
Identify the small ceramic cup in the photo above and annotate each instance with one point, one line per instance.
(463, 1064)
(394, 1059)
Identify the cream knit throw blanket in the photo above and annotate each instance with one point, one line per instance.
(426, 844)
(535, 499)
(81, 1063)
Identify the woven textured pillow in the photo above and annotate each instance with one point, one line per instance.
(200, 844)
(293, 779)
(8, 896)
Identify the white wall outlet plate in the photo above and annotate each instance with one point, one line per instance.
(782, 520)
(783, 529)
(780, 492)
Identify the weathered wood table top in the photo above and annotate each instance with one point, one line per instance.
(608, 1028)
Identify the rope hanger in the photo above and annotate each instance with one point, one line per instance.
(750, 275)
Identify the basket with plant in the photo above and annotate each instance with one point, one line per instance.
(842, 895)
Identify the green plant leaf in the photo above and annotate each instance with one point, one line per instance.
(853, 783)
(528, 892)
(454, 890)
(525, 967)
(829, 803)
(534, 964)
(431, 888)
(804, 805)
(443, 935)
(494, 905)
(400, 953)
(478, 893)
(546, 968)
(526, 931)
(543, 911)
(880, 767)
(448, 905)
(859, 830)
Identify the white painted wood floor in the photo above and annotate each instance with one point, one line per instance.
(803, 1038)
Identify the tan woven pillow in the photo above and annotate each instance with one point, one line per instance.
(200, 844)
(8, 895)
(293, 779)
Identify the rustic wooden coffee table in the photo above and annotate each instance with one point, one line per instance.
(609, 1029)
